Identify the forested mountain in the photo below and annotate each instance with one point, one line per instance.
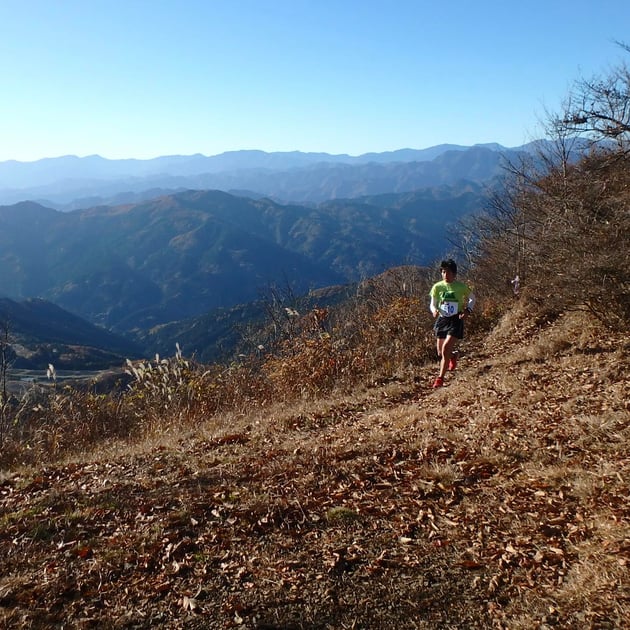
(159, 251)
(40, 333)
(135, 266)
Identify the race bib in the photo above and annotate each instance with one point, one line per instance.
(448, 309)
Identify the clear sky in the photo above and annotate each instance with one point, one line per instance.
(143, 78)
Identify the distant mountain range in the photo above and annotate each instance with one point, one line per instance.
(70, 182)
(135, 266)
(157, 251)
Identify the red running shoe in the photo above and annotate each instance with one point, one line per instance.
(438, 382)
(452, 362)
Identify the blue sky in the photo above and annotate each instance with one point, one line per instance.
(143, 78)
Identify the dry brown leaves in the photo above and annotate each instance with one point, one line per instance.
(500, 501)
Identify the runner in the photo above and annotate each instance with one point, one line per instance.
(452, 302)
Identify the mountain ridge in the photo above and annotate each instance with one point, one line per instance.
(285, 176)
(177, 256)
(40, 332)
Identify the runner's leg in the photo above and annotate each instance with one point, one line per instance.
(439, 346)
(447, 349)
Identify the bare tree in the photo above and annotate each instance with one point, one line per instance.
(560, 222)
(598, 109)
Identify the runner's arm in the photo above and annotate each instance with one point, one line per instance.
(433, 307)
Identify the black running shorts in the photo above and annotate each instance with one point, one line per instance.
(449, 327)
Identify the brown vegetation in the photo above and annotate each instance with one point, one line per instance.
(322, 483)
(498, 501)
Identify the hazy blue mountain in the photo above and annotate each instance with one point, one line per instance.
(220, 334)
(155, 261)
(14, 174)
(138, 265)
(71, 182)
(160, 250)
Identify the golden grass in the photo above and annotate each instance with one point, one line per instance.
(499, 501)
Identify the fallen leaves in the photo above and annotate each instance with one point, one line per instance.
(368, 512)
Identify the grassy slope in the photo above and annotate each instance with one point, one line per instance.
(499, 501)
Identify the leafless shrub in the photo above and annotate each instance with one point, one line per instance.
(561, 221)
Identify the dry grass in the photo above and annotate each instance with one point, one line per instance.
(499, 501)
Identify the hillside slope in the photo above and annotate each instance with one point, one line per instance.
(42, 333)
(498, 501)
(175, 257)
